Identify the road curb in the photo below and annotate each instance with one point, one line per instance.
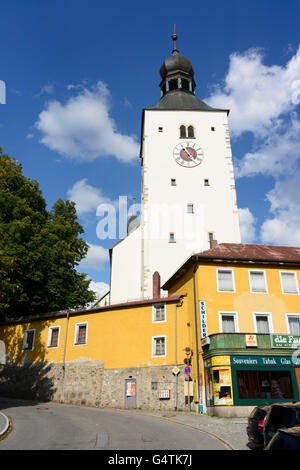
(4, 422)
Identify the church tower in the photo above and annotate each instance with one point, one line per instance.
(188, 187)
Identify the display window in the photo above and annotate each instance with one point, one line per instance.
(264, 384)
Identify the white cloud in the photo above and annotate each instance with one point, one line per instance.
(255, 93)
(277, 154)
(100, 288)
(46, 89)
(284, 226)
(86, 197)
(82, 128)
(96, 258)
(247, 225)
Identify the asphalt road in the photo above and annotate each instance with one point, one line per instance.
(51, 426)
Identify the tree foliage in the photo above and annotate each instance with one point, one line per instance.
(39, 249)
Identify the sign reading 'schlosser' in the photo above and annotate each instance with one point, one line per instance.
(203, 318)
(285, 341)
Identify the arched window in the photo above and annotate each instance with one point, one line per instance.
(191, 133)
(182, 132)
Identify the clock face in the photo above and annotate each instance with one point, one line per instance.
(188, 154)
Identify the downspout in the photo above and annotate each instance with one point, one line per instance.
(65, 345)
(196, 332)
(176, 360)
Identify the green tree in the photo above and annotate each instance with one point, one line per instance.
(39, 249)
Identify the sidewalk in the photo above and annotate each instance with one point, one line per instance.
(231, 431)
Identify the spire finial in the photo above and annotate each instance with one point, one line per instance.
(174, 37)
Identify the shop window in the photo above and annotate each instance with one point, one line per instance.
(289, 282)
(225, 280)
(258, 283)
(264, 384)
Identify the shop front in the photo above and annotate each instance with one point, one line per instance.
(238, 378)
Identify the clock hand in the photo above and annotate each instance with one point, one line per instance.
(188, 153)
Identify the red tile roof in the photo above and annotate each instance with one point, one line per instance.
(240, 252)
(252, 252)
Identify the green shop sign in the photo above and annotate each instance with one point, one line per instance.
(267, 361)
(285, 341)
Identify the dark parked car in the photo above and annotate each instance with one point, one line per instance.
(255, 428)
(285, 439)
(280, 415)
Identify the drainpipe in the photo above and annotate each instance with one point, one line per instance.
(176, 376)
(65, 345)
(196, 332)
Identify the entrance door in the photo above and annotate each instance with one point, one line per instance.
(130, 393)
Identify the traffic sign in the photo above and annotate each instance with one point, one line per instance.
(187, 370)
(175, 370)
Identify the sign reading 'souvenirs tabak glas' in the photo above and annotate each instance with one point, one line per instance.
(285, 341)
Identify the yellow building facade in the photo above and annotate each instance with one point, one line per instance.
(247, 318)
(232, 317)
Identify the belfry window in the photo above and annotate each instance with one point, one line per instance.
(185, 84)
(173, 84)
(191, 133)
(182, 132)
(187, 131)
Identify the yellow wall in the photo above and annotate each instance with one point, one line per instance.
(122, 337)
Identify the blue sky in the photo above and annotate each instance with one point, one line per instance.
(78, 74)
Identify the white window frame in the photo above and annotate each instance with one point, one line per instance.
(77, 325)
(154, 344)
(25, 339)
(50, 329)
(265, 279)
(287, 315)
(222, 313)
(281, 283)
(172, 240)
(154, 312)
(263, 314)
(233, 280)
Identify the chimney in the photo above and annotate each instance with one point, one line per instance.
(213, 244)
(156, 285)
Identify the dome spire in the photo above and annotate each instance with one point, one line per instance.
(174, 38)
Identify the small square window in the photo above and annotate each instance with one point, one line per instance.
(225, 280)
(258, 282)
(293, 324)
(228, 322)
(53, 337)
(206, 182)
(159, 313)
(173, 182)
(190, 208)
(159, 347)
(160, 129)
(289, 282)
(172, 238)
(210, 236)
(81, 333)
(28, 341)
(213, 128)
